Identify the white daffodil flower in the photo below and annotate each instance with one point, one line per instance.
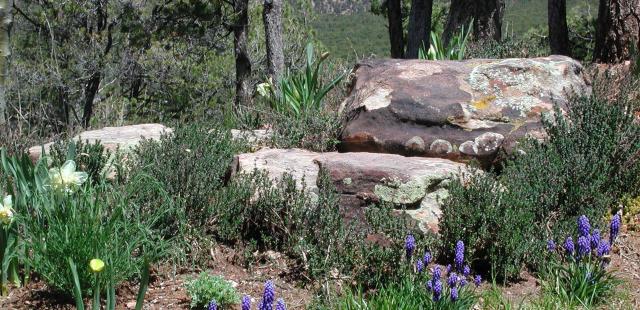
(66, 178)
(6, 211)
(264, 89)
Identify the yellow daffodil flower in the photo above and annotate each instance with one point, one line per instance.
(96, 265)
(6, 211)
(66, 178)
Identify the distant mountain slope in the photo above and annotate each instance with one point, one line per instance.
(341, 7)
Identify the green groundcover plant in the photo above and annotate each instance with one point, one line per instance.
(206, 288)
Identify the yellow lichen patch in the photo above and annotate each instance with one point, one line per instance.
(484, 102)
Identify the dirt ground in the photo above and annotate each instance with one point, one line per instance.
(166, 290)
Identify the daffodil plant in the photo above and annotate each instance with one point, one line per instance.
(97, 267)
(66, 179)
(7, 244)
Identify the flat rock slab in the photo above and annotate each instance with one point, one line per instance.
(124, 137)
(455, 109)
(416, 184)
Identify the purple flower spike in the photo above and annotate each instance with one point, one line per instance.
(463, 282)
(410, 245)
(246, 302)
(466, 271)
(453, 280)
(448, 268)
(603, 249)
(551, 246)
(419, 266)
(436, 273)
(569, 246)
(584, 227)
(268, 297)
(429, 286)
(427, 258)
(213, 305)
(454, 294)
(280, 305)
(437, 290)
(614, 228)
(595, 239)
(459, 259)
(584, 246)
(477, 280)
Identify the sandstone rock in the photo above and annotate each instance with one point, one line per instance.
(416, 183)
(276, 162)
(124, 137)
(454, 109)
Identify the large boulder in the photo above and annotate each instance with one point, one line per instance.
(414, 184)
(112, 138)
(455, 109)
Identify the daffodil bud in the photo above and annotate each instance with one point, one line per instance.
(96, 265)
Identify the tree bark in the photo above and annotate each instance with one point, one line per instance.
(419, 27)
(5, 49)
(272, 17)
(91, 90)
(558, 30)
(396, 33)
(486, 15)
(617, 30)
(487, 22)
(243, 62)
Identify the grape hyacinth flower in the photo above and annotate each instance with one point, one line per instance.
(595, 238)
(213, 305)
(614, 229)
(459, 259)
(463, 282)
(603, 249)
(453, 280)
(584, 246)
(466, 271)
(280, 305)
(246, 302)
(569, 246)
(477, 280)
(437, 290)
(551, 245)
(419, 266)
(427, 258)
(436, 273)
(454, 294)
(268, 296)
(584, 227)
(429, 286)
(448, 268)
(410, 245)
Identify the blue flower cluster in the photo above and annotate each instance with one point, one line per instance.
(589, 242)
(457, 275)
(268, 297)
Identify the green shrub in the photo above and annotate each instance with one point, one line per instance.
(586, 165)
(264, 215)
(206, 288)
(318, 131)
(454, 51)
(189, 165)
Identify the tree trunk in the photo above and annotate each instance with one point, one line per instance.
(90, 94)
(396, 33)
(558, 30)
(5, 49)
(272, 17)
(617, 29)
(419, 27)
(487, 22)
(486, 15)
(243, 63)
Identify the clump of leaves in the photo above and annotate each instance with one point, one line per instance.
(207, 287)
